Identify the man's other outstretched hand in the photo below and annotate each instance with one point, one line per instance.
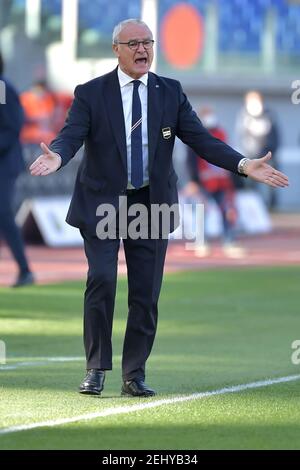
(46, 163)
(259, 170)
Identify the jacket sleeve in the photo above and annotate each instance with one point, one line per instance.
(192, 166)
(11, 121)
(75, 130)
(191, 131)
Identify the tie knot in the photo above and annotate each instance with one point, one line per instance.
(136, 83)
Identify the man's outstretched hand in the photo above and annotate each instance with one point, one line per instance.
(259, 170)
(46, 163)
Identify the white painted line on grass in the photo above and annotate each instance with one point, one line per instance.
(144, 406)
(43, 361)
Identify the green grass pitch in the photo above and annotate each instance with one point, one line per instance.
(216, 328)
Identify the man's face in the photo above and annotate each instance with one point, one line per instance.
(134, 63)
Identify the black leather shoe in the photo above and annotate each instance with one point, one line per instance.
(24, 279)
(136, 388)
(93, 382)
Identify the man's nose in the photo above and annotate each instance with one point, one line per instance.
(141, 47)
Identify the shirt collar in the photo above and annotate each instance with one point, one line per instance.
(124, 79)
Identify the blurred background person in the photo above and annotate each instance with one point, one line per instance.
(257, 133)
(214, 183)
(39, 105)
(11, 165)
(63, 101)
(45, 113)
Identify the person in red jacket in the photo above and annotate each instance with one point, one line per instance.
(216, 183)
(39, 105)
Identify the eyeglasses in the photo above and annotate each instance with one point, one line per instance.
(134, 45)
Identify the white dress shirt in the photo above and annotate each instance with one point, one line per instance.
(126, 93)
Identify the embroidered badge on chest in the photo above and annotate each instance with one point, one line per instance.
(166, 132)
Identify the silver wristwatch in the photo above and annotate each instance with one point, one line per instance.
(242, 166)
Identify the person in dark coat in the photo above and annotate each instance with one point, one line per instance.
(11, 165)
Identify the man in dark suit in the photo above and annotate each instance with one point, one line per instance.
(128, 120)
(11, 165)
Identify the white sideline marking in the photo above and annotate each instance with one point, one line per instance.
(143, 406)
(43, 361)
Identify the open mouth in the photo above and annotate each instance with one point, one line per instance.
(141, 60)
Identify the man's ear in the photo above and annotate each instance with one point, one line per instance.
(115, 48)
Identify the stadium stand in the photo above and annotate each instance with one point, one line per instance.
(241, 29)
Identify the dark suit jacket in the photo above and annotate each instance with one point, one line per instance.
(96, 119)
(11, 121)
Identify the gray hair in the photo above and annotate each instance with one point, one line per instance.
(119, 27)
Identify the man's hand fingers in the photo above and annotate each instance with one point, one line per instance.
(267, 157)
(45, 172)
(45, 148)
(36, 164)
(45, 164)
(36, 171)
(282, 180)
(276, 181)
(278, 178)
(38, 167)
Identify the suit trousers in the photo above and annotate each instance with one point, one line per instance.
(145, 263)
(9, 230)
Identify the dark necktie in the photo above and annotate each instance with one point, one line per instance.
(136, 138)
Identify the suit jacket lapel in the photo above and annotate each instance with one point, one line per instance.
(155, 110)
(114, 106)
